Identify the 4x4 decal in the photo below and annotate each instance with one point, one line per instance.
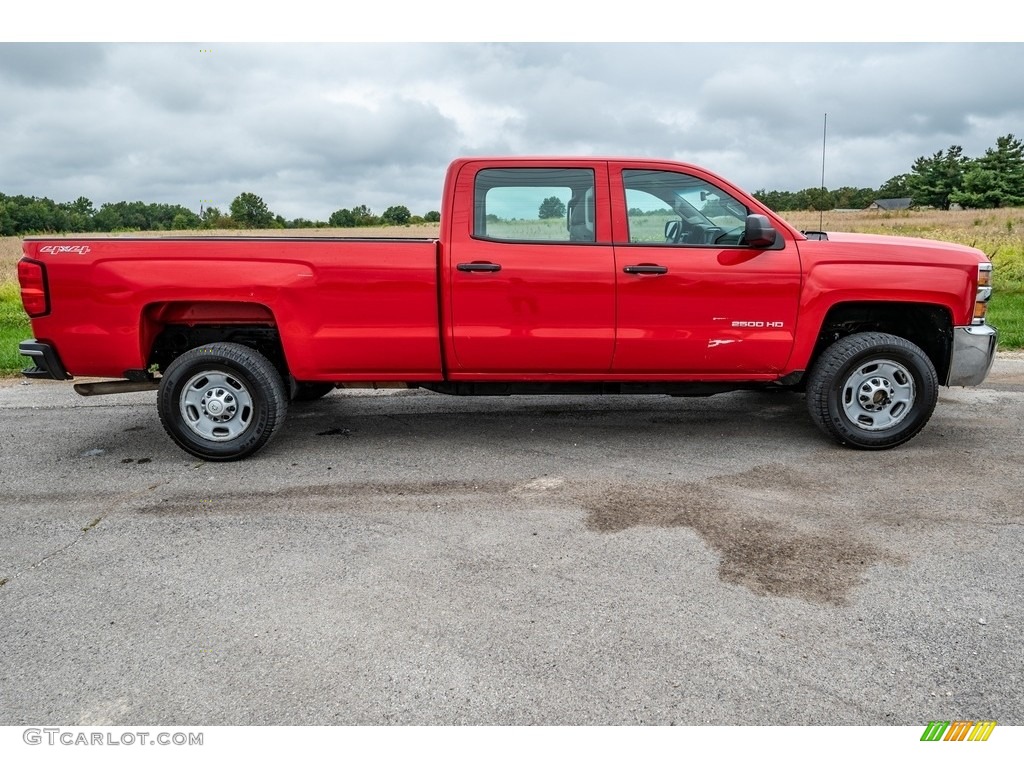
(82, 249)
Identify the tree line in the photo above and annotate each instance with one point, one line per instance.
(21, 215)
(942, 180)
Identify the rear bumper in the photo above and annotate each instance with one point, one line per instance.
(974, 350)
(47, 362)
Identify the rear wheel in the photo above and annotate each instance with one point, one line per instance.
(872, 390)
(221, 401)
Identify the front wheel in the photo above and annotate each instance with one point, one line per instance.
(872, 390)
(221, 401)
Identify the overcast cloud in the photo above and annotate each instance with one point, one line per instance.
(316, 127)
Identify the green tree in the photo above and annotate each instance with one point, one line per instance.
(396, 214)
(342, 217)
(364, 216)
(123, 216)
(853, 197)
(360, 216)
(979, 189)
(82, 205)
(1006, 161)
(776, 200)
(995, 180)
(933, 180)
(819, 199)
(185, 220)
(432, 216)
(38, 216)
(249, 210)
(895, 187)
(108, 218)
(551, 208)
(210, 216)
(7, 225)
(79, 215)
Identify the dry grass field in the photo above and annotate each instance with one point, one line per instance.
(989, 221)
(10, 252)
(999, 233)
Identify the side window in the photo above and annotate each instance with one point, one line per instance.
(535, 205)
(678, 209)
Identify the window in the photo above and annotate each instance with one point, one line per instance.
(535, 205)
(678, 209)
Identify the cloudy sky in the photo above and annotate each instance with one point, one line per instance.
(316, 127)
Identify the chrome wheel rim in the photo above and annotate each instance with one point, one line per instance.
(216, 406)
(878, 395)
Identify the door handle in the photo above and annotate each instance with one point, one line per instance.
(645, 269)
(478, 266)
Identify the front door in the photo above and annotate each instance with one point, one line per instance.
(692, 296)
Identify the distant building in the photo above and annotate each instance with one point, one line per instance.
(891, 204)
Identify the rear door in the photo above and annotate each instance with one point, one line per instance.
(531, 270)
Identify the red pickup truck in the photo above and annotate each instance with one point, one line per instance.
(550, 275)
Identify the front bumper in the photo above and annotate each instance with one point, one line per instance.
(974, 350)
(47, 361)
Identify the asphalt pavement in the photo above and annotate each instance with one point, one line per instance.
(411, 558)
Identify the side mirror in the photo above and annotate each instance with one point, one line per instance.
(673, 231)
(759, 232)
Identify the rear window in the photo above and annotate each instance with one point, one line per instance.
(535, 205)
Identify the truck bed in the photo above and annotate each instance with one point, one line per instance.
(367, 308)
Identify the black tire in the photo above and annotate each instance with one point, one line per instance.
(222, 401)
(872, 391)
(306, 391)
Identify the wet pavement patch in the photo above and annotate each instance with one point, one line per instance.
(733, 515)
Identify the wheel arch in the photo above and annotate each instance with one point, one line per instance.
(929, 326)
(171, 328)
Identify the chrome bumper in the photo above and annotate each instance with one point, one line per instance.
(974, 350)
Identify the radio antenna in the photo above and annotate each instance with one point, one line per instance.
(821, 212)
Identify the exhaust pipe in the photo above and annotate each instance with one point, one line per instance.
(115, 387)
